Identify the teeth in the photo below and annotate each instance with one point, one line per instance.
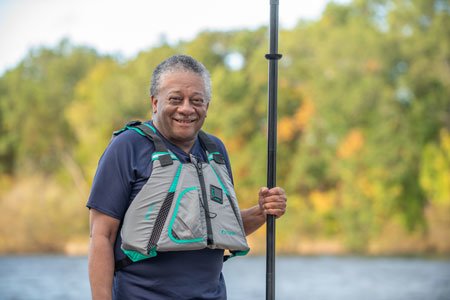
(184, 121)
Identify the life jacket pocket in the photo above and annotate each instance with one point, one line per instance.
(186, 229)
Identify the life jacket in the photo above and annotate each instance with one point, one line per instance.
(182, 206)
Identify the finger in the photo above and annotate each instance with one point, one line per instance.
(275, 204)
(275, 212)
(276, 191)
(263, 191)
(274, 198)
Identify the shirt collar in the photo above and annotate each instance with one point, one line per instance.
(197, 150)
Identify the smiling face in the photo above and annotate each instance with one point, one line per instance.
(179, 108)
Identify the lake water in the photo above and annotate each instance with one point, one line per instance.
(302, 278)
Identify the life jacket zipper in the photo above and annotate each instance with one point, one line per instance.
(204, 199)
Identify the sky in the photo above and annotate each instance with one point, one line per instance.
(125, 27)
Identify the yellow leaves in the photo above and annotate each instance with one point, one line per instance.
(323, 201)
(372, 65)
(367, 187)
(233, 144)
(435, 170)
(304, 113)
(351, 145)
(93, 81)
(296, 204)
(445, 141)
(288, 127)
(371, 187)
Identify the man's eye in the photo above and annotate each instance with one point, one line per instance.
(175, 100)
(197, 101)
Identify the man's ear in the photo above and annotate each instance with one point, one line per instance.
(154, 104)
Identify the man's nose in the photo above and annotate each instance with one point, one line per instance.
(186, 106)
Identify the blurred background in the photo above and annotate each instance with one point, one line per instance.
(363, 131)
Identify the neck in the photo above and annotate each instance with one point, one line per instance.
(185, 145)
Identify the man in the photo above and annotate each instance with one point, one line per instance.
(180, 95)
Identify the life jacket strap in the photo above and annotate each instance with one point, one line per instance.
(211, 147)
(149, 132)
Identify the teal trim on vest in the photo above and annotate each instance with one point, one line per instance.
(173, 186)
(174, 216)
(137, 256)
(220, 181)
(211, 156)
(151, 127)
(156, 155)
(117, 132)
(239, 253)
(137, 130)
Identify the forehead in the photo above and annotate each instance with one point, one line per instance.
(181, 80)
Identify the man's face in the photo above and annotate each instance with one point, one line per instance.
(180, 107)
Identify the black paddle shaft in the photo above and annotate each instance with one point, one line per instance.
(273, 58)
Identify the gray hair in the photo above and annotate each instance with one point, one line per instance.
(180, 63)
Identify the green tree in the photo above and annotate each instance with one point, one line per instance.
(33, 98)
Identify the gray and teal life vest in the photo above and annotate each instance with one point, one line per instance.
(182, 206)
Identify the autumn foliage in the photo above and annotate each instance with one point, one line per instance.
(363, 131)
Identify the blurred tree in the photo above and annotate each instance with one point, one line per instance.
(32, 102)
(364, 104)
(109, 96)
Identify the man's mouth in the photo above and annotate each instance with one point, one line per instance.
(184, 121)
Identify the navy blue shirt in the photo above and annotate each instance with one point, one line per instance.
(123, 169)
